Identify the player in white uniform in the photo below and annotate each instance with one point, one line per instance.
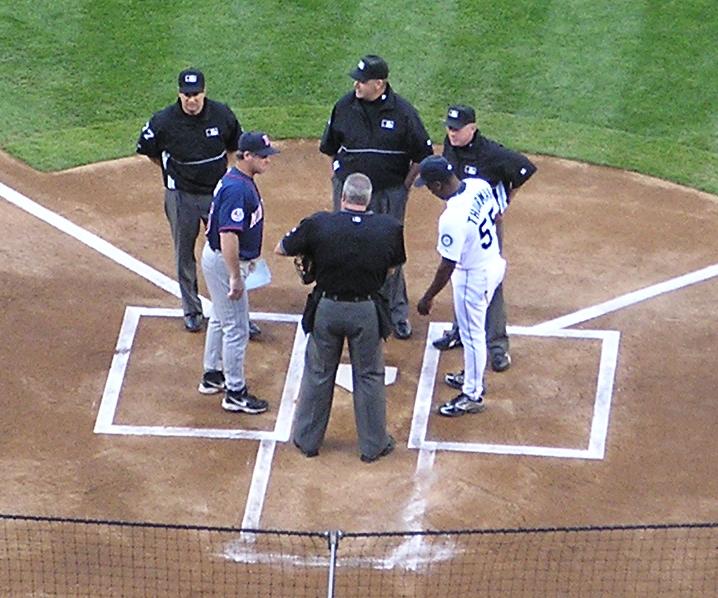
(470, 257)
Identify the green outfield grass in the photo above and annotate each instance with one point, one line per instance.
(627, 83)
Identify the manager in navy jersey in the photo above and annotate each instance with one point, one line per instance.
(234, 242)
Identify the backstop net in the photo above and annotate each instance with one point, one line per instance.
(43, 556)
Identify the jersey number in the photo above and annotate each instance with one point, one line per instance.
(486, 237)
(147, 133)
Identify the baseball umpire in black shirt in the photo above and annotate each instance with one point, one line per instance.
(189, 141)
(472, 155)
(375, 131)
(353, 250)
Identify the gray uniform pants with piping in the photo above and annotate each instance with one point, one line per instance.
(387, 201)
(359, 324)
(225, 345)
(497, 339)
(184, 212)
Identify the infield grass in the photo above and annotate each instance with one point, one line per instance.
(630, 84)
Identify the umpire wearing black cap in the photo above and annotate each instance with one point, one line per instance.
(189, 141)
(375, 131)
(472, 155)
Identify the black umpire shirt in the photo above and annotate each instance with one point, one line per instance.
(193, 149)
(504, 169)
(379, 139)
(352, 251)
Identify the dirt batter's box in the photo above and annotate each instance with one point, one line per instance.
(110, 397)
(601, 409)
(422, 406)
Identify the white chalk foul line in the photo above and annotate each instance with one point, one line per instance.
(601, 309)
(260, 482)
(90, 239)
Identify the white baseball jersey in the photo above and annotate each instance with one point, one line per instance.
(467, 228)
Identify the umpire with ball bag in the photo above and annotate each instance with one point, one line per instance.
(353, 250)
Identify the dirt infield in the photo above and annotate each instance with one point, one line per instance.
(577, 236)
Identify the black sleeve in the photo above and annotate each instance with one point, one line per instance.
(147, 144)
(419, 143)
(450, 154)
(234, 130)
(398, 250)
(297, 240)
(514, 168)
(330, 144)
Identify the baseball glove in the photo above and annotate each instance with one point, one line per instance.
(304, 265)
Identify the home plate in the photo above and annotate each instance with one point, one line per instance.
(344, 376)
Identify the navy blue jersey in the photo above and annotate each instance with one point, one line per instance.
(237, 207)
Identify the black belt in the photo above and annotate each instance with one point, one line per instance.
(349, 297)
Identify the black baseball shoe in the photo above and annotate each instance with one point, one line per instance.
(384, 452)
(193, 322)
(455, 379)
(500, 362)
(402, 329)
(308, 454)
(461, 405)
(212, 382)
(451, 339)
(241, 400)
(254, 330)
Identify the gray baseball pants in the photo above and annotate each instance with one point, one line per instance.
(227, 336)
(359, 324)
(184, 212)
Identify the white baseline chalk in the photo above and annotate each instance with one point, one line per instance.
(601, 309)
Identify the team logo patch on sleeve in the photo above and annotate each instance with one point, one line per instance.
(446, 240)
(237, 215)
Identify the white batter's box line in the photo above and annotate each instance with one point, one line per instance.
(601, 309)
(104, 424)
(601, 408)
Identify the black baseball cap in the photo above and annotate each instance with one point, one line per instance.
(257, 143)
(458, 116)
(191, 81)
(370, 67)
(433, 168)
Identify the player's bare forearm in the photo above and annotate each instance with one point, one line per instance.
(441, 278)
